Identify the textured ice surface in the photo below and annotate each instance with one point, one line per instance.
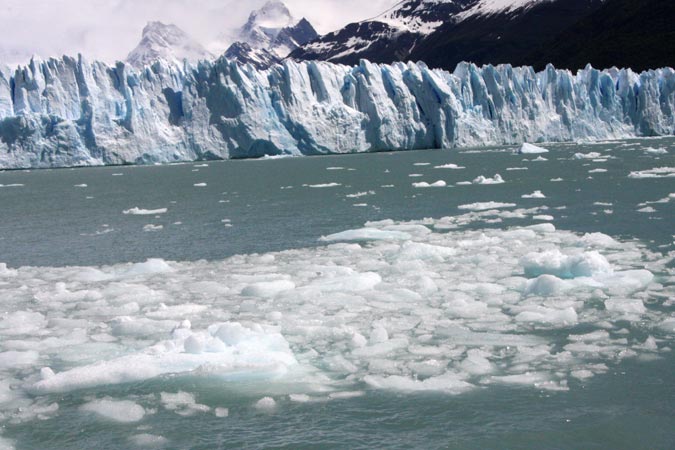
(416, 306)
(70, 112)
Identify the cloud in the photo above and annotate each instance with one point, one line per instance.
(109, 29)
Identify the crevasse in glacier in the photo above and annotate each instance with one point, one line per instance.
(69, 112)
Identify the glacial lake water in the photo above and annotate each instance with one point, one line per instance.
(220, 304)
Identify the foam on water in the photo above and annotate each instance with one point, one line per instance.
(415, 306)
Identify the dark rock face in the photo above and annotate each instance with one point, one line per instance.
(567, 33)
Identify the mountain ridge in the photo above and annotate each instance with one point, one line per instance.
(567, 33)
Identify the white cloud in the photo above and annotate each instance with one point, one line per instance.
(109, 29)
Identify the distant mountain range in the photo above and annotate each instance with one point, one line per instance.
(442, 33)
(568, 33)
(268, 36)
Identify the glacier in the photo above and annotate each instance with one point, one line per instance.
(69, 112)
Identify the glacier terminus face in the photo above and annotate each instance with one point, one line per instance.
(70, 112)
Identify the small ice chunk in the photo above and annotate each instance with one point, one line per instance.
(484, 206)
(324, 185)
(450, 166)
(497, 179)
(591, 155)
(221, 412)
(267, 288)
(300, 398)
(182, 403)
(625, 305)
(379, 335)
(146, 440)
(266, 404)
(535, 194)
(530, 149)
(123, 411)
(449, 383)
(424, 184)
(366, 234)
(13, 359)
(553, 262)
(136, 211)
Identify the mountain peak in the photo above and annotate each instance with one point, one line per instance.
(167, 42)
(270, 34)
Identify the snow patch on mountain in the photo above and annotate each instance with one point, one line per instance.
(488, 7)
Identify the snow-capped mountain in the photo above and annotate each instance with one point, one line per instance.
(166, 42)
(443, 33)
(269, 35)
(66, 112)
(388, 37)
(265, 24)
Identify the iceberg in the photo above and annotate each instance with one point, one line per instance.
(69, 112)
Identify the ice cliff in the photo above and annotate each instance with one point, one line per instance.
(69, 112)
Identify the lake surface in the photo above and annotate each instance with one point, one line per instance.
(339, 302)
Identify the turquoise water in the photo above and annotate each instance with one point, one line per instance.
(50, 220)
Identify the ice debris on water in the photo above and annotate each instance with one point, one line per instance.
(431, 305)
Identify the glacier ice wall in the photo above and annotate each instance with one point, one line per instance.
(69, 112)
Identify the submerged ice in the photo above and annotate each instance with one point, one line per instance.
(415, 306)
(65, 112)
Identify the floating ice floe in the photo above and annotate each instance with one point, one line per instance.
(449, 166)
(659, 172)
(655, 151)
(535, 194)
(360, 194)
(424, 184)
(530, 149)
(136, 211)
(123, 411)
(591, 155)
(484, 206)
(497, 179)
(323, 185)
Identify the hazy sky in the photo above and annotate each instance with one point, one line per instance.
(109, 29)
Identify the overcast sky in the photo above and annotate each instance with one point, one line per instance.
(109, 29)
